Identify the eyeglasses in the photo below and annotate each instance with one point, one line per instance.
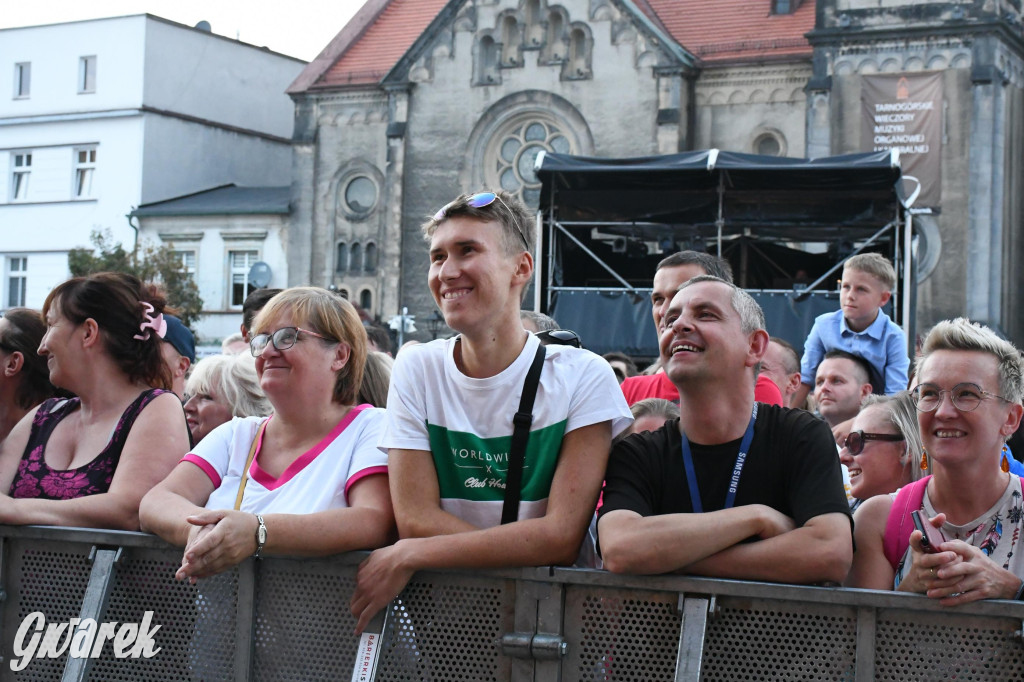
(856, 439)
(480, 201)
(283, 339)
(966, 397)
(559, 337)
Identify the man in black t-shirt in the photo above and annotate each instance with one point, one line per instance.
(728, 490)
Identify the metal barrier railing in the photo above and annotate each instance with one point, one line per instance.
(288, 619)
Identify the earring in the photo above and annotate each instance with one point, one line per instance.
(1005, 464)
(924, 460)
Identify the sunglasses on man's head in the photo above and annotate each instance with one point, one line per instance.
(559, 337)
(481, 200)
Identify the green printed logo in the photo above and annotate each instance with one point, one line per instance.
(473, 468)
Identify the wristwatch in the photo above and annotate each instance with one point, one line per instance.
(261, 536)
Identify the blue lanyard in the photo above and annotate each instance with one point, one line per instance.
(741, 458)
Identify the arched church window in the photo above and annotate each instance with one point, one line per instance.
(517, 152)
(356, 257)
(341, 257)
(370, 257)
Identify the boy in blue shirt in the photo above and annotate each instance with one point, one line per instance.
(860, 327)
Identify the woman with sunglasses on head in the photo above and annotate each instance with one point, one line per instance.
(24, 377)
(88, 460)
(968, 402)
(883, 450)
(308, 480)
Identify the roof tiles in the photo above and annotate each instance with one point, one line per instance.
(733, 30)
(373, 54)
(713, 30)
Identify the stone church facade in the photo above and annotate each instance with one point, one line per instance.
(416, 101)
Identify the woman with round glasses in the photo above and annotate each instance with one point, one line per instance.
(883, 450)
(308, 480)
(969, 403)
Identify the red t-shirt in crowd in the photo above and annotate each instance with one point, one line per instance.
(658, 386)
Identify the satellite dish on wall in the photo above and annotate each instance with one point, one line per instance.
(204, 26)
(259, 275)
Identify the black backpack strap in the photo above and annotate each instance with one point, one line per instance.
(522, 421)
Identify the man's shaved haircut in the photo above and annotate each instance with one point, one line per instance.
(751, 315)
(711, 265)
(863, 368)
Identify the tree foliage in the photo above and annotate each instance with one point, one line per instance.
(157, 264)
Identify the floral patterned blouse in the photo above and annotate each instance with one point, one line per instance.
(36, 479)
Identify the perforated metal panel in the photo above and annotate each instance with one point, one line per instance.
(449, 628)
(622, 635)
(774, 640)
(304, 629)
(197, 622)
(50, 578)
(940, 647)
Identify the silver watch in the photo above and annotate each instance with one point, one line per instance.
(261, 536)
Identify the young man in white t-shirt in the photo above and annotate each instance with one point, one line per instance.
(450, 409)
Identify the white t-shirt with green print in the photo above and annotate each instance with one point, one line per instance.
(466, 423)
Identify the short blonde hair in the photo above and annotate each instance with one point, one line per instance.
(874, 264)
(233, 377)
(326, 313)
(962, 334)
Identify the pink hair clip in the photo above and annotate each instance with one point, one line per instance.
(150, 321)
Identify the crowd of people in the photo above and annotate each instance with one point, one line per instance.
(509, 444)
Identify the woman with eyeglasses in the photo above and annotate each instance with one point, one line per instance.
(968, 402)
(882, 452)
(308, 480)
(24, 377)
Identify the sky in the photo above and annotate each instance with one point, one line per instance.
(298, 28)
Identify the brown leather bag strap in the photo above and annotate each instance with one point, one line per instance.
(248, 463)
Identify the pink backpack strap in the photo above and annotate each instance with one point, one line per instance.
(899, 525)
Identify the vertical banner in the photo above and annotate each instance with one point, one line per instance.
(904, 112)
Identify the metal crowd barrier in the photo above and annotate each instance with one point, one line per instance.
(281, 619)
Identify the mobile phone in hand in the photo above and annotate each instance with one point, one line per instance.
(931, 537)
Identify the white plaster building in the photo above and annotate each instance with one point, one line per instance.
(98, 117)
(221, 233)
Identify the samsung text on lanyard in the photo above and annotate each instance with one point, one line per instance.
(734, 482)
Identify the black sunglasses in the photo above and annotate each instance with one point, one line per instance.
(856, 439)
(559, 337)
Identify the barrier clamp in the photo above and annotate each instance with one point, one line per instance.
(537, 646)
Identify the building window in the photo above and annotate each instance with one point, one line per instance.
(370, 257)
(17, 273)
(770, 143)
(341, 257)
(85, 169)
(785, 6)
(360, 195)
(187, 258)
(518, 151)
(22, 80)
(86, 75)
(366, 300)
(356, 257)
(239, 263)
(21, 163)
